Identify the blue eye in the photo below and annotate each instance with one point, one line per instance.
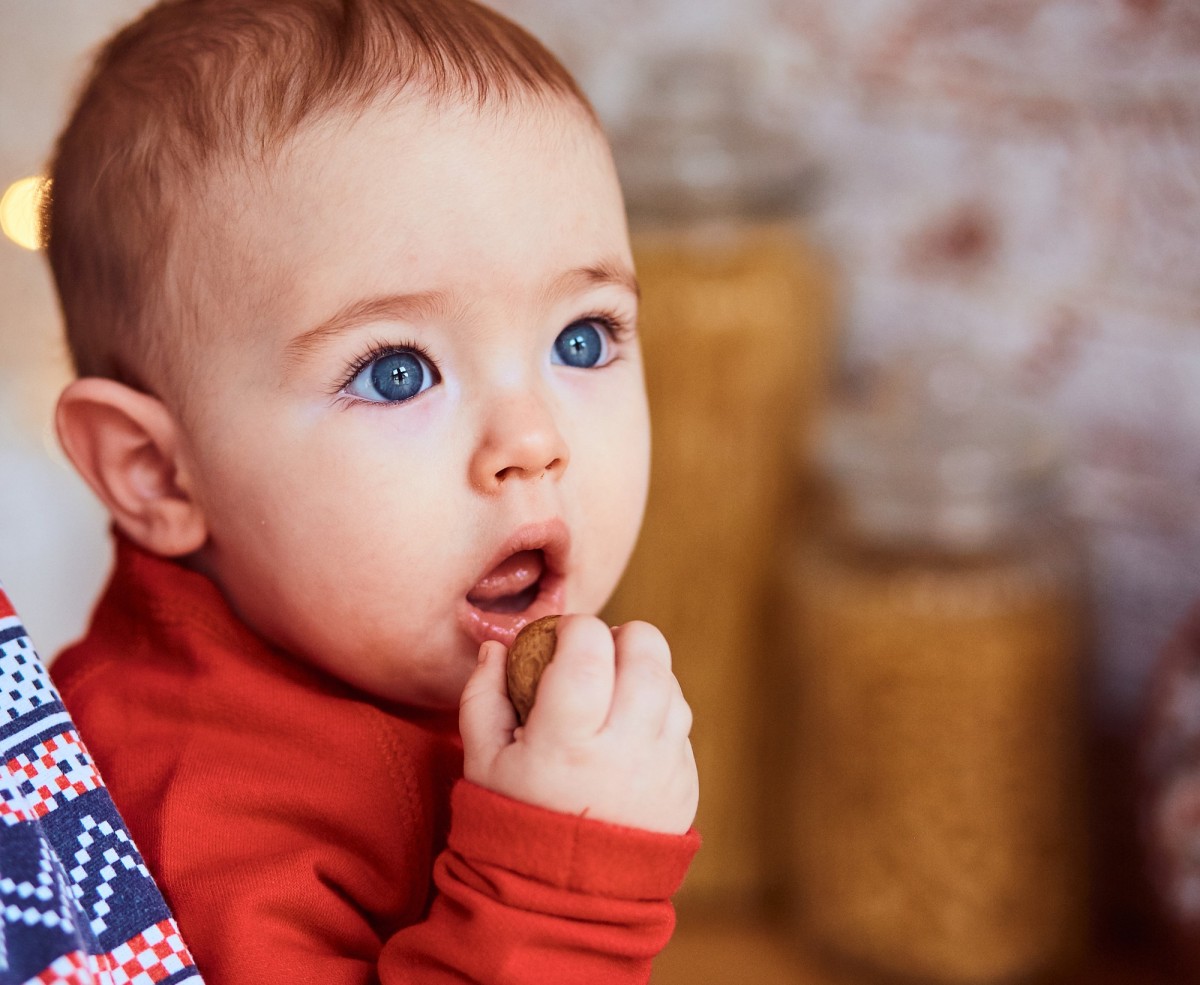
(580, 344)
(392, 377)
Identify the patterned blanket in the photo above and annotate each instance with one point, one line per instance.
(77, 904)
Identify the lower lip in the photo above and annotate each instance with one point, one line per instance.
(482, 626)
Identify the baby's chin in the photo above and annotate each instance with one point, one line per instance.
(429, 680)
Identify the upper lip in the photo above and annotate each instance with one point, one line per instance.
(551, 537)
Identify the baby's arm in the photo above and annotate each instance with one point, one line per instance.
(569, 834)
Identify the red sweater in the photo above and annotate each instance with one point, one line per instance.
(303, 833)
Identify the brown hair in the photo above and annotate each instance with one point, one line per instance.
(193, 85)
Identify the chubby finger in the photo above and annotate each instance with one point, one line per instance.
(678, 721)
(576, 689)
(640, 635)
(645, 689)
(486, 718)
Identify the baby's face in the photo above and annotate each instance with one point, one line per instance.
(421, 422)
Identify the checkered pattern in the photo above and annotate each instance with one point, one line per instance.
(27, 901)
(152, 956)
(77, 903)
(156, 955)
(70, 969)
(54, 772)
(25, 687)
(100, 865)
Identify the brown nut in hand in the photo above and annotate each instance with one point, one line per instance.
(531, 651)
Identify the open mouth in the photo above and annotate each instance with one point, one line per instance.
(523, 582)
(512, 585)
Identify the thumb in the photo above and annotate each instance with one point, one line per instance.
(486, 718)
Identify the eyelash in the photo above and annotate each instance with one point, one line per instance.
(373, 351)
(619, 330)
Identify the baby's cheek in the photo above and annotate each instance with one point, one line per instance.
(612, 539)
(630, 487)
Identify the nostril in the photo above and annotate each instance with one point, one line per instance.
(521, 471)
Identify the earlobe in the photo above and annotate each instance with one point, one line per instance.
(126, 446)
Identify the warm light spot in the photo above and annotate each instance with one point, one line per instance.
(20, 211)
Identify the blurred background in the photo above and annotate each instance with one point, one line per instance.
(922, 324)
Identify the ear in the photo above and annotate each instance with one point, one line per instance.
(127, 447)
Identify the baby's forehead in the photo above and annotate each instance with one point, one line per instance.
(254, 193)
(273, 223)
(309, 165)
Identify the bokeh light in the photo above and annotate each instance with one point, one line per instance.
(20, 211)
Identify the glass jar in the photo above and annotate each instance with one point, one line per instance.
(941, 797)
(735, 325)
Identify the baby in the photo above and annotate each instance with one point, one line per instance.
(348, 287)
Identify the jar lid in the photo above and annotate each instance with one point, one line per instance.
(935, 445)
(693, 146)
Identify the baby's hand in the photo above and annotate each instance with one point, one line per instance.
(608, 736)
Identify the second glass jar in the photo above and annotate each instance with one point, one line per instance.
(940, 816)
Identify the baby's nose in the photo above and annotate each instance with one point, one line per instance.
(520, 439)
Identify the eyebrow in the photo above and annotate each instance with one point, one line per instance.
(606, 273)
(428, 304)
(421, 304)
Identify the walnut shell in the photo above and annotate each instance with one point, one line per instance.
(531, 651)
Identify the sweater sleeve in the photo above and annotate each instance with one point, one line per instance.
(526, 895)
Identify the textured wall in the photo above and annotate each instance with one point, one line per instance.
(1020, 174)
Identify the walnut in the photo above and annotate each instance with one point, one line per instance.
(531, 651)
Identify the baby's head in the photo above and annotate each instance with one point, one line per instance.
(349, 290)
